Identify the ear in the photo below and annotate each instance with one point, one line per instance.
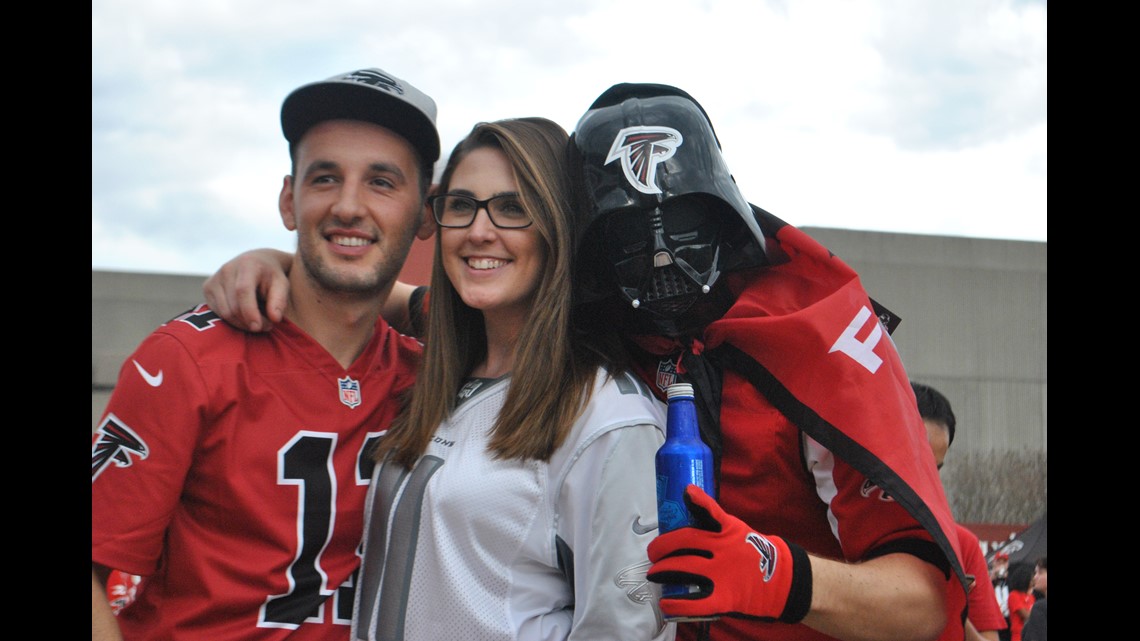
(427, 224)
(285, 204)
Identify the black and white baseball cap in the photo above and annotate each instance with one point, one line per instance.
(370, 95)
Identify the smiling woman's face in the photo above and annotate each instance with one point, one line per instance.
(494, 270)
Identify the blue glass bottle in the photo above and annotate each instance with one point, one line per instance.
(682, 459)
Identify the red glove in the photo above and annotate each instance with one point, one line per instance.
(739, 572)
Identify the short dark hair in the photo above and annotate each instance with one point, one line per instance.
(934, 406)
(1020, 576)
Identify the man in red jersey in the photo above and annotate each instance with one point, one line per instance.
(230, 469)
(985, 618)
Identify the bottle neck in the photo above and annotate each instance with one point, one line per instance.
(682, 419)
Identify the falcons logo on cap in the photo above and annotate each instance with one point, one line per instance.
(641, 149)
(116, 443)
(376, 79)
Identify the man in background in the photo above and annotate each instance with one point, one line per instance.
(985, 618)
(1036, 627)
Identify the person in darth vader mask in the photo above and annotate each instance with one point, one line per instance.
(662, 219)
(829, 520)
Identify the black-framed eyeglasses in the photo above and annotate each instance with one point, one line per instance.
(456, 211)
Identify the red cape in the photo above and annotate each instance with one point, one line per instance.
(805, 333)
(819, 353)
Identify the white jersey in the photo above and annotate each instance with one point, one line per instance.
(468, 547)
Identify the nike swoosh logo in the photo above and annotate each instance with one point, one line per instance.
(152, 380)
(638, 528)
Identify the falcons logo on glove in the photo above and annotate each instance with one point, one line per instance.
(738, 571)
(767, 554)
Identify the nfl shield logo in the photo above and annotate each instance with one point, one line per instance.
(666, 374)
(349, 391)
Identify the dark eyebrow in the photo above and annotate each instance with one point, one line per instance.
(319, 165)
(471, 194)
(388, 168)
(376, 167)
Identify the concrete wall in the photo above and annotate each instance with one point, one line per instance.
(125, 307)
(974, 324)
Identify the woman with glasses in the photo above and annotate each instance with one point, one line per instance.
(514, 497)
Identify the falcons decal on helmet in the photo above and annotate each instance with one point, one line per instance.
(641, 149)
(116, 443)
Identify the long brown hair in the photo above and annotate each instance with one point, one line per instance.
(554, 367)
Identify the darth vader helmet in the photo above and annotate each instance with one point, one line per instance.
(661, 217)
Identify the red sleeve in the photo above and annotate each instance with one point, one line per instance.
(141, 452)
(984, 613)
(866, 518)
(1019, 600)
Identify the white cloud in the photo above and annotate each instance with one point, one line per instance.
(877, 114)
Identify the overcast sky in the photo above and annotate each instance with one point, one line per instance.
(911, 116)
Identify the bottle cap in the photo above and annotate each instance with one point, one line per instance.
(679, 389)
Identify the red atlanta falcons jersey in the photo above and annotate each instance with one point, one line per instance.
(230, 470)
(984, 613)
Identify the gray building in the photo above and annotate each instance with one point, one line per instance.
(974, 325)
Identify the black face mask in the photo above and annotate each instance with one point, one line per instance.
(665, 259)
(652, 181)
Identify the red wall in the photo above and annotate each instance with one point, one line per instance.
(994, 535)
(417, 269)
